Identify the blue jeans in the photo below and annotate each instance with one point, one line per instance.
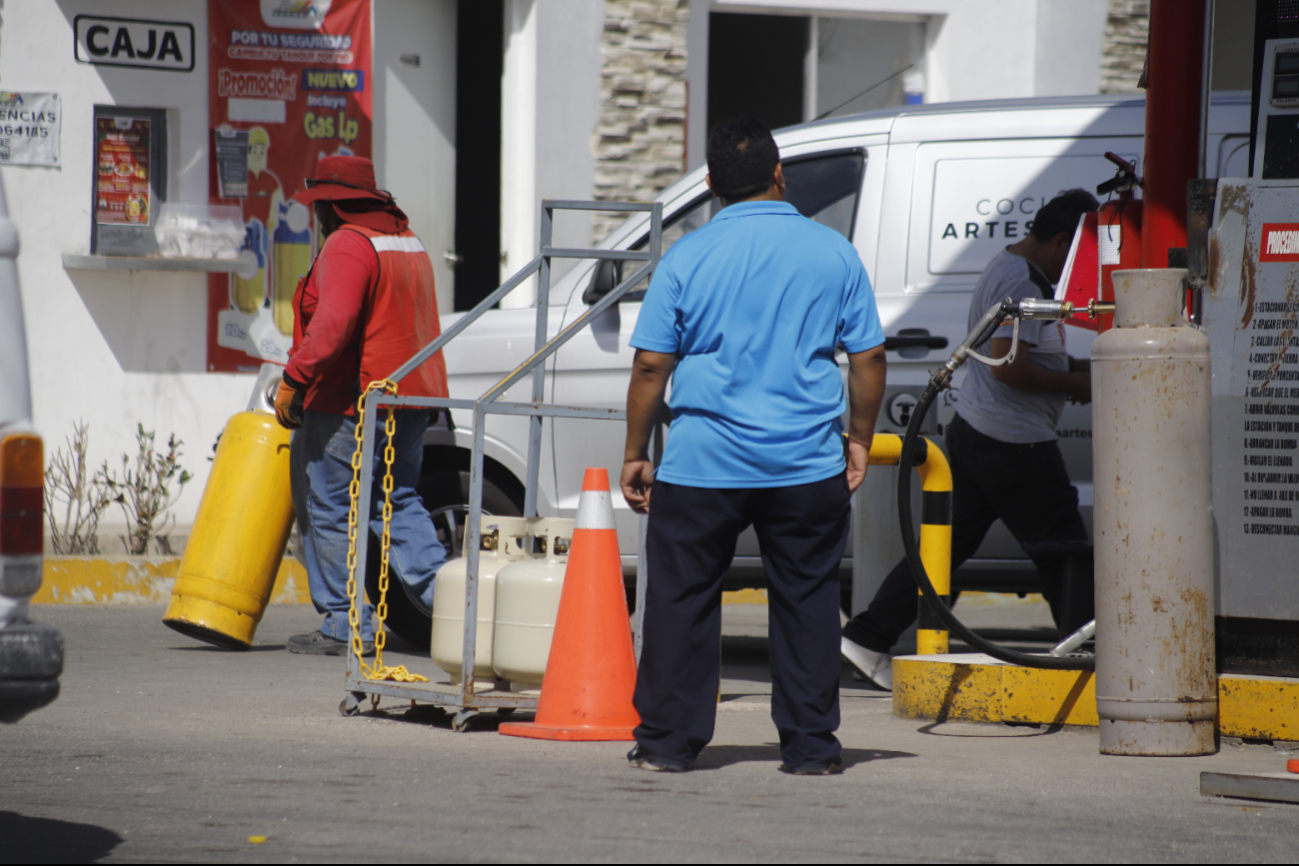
(320, 466)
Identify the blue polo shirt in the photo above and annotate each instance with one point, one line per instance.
(753, 305)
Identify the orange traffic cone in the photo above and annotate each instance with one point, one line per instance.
(591, 672)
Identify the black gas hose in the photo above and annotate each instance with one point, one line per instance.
(905, 517)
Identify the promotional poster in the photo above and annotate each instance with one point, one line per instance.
(122, 171)
(289, 83)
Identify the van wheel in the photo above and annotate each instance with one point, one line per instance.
(446, 496)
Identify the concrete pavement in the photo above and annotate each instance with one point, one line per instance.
(162, 749)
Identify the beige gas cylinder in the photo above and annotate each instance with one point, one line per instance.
(1156, 686)
(527, 601)
(502, 543)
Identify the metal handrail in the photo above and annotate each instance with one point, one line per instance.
(490, 403)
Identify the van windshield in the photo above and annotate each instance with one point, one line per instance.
(824, 189)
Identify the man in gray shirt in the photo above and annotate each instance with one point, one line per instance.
(1006, 463)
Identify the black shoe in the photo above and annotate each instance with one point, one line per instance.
(320, 644)
(825, 768)
(643, 760)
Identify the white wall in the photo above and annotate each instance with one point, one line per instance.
(1070, 37)
(519, 219)
(568, 111)
(120, 348)
(415, 123)
(978, 49)
(855, 53)
(550, 107)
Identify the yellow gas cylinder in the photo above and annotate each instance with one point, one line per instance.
(239, 535)
(527, 601)
(502, 542)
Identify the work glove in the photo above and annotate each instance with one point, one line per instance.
(288, 406)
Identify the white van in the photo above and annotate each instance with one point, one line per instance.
(927, 194)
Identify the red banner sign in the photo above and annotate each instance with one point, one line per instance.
(1280, 243)
(289, 83)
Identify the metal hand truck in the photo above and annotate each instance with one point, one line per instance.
(462, 695)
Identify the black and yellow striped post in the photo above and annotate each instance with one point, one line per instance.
(935, 529)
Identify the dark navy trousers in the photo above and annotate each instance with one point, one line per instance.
(802, 531)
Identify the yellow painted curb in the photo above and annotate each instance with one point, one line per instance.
(745, 596)
(148, 580)
(976, 688)
(1258, 707)
(140, 580)
(935, 687)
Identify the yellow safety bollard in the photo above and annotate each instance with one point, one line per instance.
(935, 529)
(240, 533)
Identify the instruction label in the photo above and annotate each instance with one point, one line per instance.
(1270, 437)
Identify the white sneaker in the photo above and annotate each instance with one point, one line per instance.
(875, 668)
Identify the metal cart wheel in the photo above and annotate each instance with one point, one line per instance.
(351, 705)
(460, 723)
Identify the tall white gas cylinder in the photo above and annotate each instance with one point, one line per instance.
(1156, 685)
(527, 602)
(503, 542)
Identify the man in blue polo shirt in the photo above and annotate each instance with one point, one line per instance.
(745, 316)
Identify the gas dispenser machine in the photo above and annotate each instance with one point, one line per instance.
(1250, 311)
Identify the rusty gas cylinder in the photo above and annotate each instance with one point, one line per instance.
(1156, 685)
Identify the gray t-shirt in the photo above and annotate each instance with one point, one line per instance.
(997, 410)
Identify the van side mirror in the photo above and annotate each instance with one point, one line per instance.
(607, 275)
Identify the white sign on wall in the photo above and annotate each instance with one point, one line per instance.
(29, 128)
(135, 42)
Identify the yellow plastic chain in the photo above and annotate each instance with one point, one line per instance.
(378, 671)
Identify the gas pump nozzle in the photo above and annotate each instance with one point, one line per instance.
(1026, 309)
(1031, 309)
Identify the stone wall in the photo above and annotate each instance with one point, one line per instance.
(1123, 54)
(639, 145)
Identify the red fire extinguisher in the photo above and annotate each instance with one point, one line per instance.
(1118, 229)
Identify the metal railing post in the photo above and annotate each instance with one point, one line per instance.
(935, 530)
(466, 320)
(473, 530)
(539, 372)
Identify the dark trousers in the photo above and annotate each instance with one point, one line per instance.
(802, 531)
(1026, 486)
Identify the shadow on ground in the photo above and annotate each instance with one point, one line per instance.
(211, 648)
(44, 840)
(717, 757)
(943, 728)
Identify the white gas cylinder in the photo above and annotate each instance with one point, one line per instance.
(527, 602)
(503, 540)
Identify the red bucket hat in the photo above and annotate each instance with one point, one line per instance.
(343, 178)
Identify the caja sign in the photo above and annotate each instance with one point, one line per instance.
(134, 42)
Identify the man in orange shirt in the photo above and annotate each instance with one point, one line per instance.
(366, 306)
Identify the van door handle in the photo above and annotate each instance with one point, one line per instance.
(912, 341)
